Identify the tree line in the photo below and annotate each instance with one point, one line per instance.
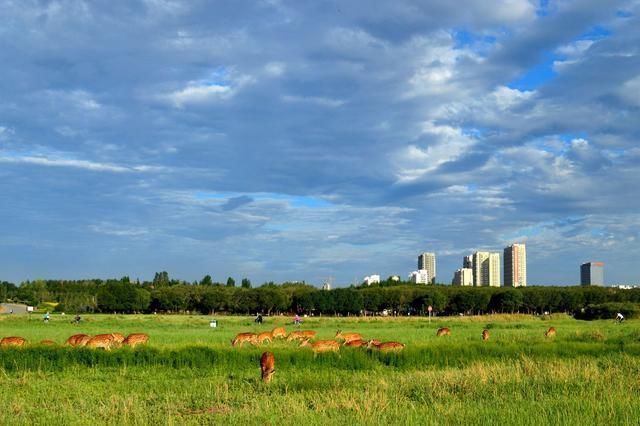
(398, 298)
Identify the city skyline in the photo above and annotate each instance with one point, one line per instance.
(290, 141)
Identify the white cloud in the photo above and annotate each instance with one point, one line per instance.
(315, 100)
(78, 164)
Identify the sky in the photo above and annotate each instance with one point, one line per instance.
(314, 140)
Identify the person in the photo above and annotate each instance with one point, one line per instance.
(46, 317)
(77, 319)
(619, 317)
(259, 318)
(297, 320)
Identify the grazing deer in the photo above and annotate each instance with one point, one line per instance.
(265, 337)
(322, 346)
(386, 346)
(48, 342)
(301, 335)
(104, 341)
(279, 333)
(267, 366)
(443, 331)
(135, 339)
(551, 332)
(308, 334)
(245, 337)
(78, 340)
(13, 341)
(348, 337)
(356, 343)
(485, 334)
(117, 337)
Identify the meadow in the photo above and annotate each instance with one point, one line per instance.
(190, 374)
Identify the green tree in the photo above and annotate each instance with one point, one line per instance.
(206, 280)
(246, 283)
(161, 279)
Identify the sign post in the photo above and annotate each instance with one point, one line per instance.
(429, 308)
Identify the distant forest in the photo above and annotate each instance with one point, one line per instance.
(165, 295)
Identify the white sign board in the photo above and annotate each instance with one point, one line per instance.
(29, 308)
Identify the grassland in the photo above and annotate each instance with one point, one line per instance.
(190, 374)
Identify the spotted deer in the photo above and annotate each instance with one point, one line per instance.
(321, 345)
(104, 341)
(241, 338)
(265, 337)
(78, 340)
(13, 341)
(444, 331)
(551, 332)
(295, 335)
(118, 338)
(267, 366)
(485, 334)
(308, 334)
(348, 337)
(135, 339)
(387, 346)
(356, 343)
(48, 342)
(279, 333)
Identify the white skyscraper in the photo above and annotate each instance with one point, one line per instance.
(486, 269)
(463, 277)
(515, 266)
(427, 261)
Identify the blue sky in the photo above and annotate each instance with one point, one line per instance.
(287, 140)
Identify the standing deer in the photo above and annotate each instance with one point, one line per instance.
(135, 339)
(308, 334)
(551, 332)
(104, 341)
(295, 335)
(265, 337)
(267, 366)
(245, 337)
(348, 337)
(279, 333)
(485, 334)
(78, 340)
(443, 331)
(13, 341)
(322, 346)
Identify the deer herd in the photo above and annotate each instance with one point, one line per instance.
(103, 341)
(108, 341)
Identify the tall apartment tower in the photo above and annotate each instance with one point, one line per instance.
(463, 277)
(428, 261)
(486, 269)
(592, 273)
(515, 266)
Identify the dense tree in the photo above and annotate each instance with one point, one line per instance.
(206, 280)
(161, 279)
(246, 283)
(231, 282)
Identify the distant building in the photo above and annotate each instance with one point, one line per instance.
(421, 276)
(395, 278)
(515, 266)
(372, 279)
(467, 262)
(463, 277)
(592, 273)
(427, 261)
(486, 269)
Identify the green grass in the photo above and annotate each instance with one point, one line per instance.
(190, 374)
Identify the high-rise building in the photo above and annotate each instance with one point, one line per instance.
(486, 269)
(592, 273)
(467, 262)
(515, 266)
(421, 276)
(427, 261)
(463, 277)
(371, 279)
